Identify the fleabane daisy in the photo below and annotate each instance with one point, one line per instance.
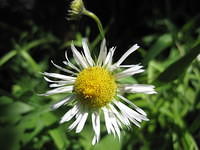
(94, 88)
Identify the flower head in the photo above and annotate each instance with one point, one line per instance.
(94, 87)
(76, 9)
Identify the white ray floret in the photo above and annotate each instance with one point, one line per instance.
(139, 88)
(118, 111)
(59, 76)
(87, 53)
(96, 127)
(62, 102)
(63, 69)
(131, 50)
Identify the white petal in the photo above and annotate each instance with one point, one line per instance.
(119, 123)
(130, 71)
(71, 65)
(131, 50)
(54, 85)
(87, 52)
(140, 88)
(126, 115)
(94, 140)
(62, 102)
(82, 122)
(127, 74)
(126, 66)
(132, 104)
(58, 90)
(109, 57)
(133, 68)
(130, 112)
(62, 69)
(96, 125)
(76, 122)
(60, 81)
(113, 121)
(70, 114)
(78, 57)
(102, 53)
(68, 63)
(123, 119)
(107, 120)
(59, 76)
(131, 119)
(85, 59)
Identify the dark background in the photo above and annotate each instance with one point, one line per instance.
(128, 20)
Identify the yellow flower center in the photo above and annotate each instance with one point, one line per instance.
(95, 86)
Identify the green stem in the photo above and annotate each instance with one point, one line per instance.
(7, 57)
(29, 46)
(97, 40)
(96, 19)
(30, 60)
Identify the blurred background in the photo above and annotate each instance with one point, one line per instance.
(33, 32)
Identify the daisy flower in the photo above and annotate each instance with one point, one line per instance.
(94, 89)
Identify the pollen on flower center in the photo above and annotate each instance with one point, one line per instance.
(95, 86)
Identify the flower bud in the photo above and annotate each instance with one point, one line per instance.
(76, 9)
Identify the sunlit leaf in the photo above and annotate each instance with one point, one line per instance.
(108, 142)
(59, 138)
(177, 68)
(161, 44)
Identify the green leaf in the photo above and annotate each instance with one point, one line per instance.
(59, 138)
(17, 108)
(108, 142)
(30, 60)
(4, 100)
(27, 47)
(189, 142)
(7, 57)
(48, 118)
(161, 44)
(177, 68)
(127, 80)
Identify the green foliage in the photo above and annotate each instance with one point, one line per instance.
(28, 123)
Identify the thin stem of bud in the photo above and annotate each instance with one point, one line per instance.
(96, 19)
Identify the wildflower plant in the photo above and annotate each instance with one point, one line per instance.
(94, 86)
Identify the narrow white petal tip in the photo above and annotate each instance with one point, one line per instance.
(154, 92)
(94, 141)
(147, 119)
(61, 121)
(81, 123)
(70, 128)
(126, 54)
(42, 94)
(78, 131)
(56, 106)
(62, 102)
(53, 107)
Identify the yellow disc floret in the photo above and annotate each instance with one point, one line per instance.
(95, 86)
